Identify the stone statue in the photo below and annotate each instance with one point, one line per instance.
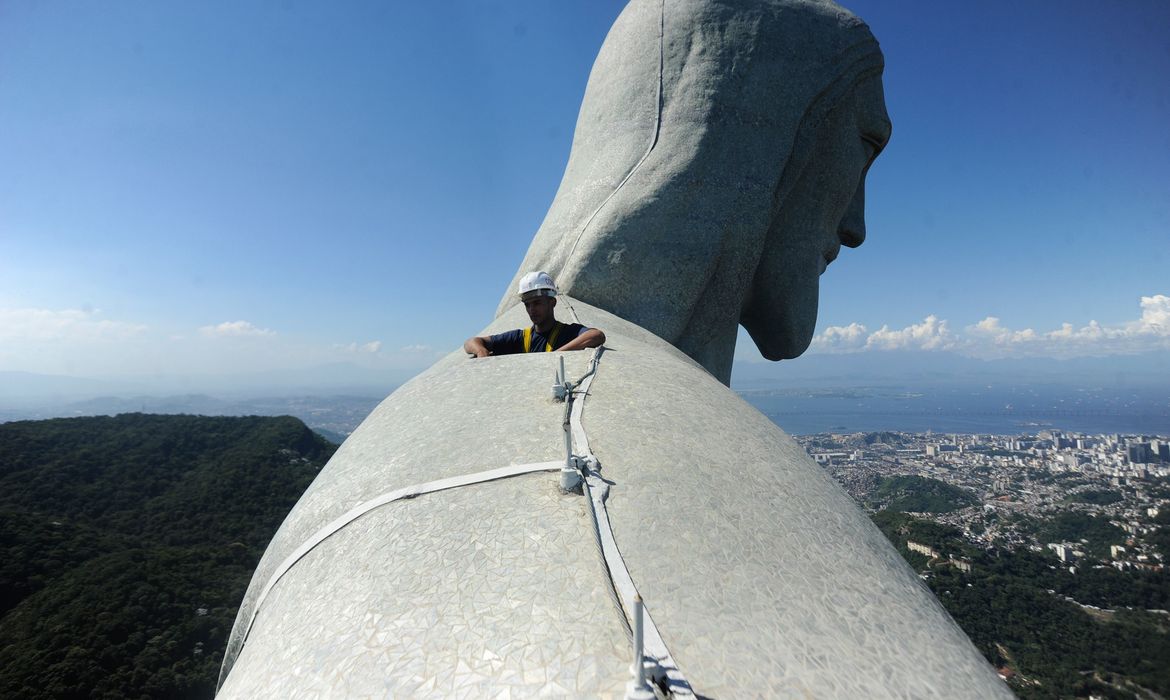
(717, 167)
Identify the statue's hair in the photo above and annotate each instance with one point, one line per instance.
(697, 121)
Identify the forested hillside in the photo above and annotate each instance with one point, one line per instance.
(1097, 633)
(126, 544)
(916, 494)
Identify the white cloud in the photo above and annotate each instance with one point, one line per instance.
(1155, 318)
(992, 331)
(235, 329)
(63, 325)
(1149, 332)
(931, 334)
(989, 338)
(371, 347)
(841, 338)
(86, 343)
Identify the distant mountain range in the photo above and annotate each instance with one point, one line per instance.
(26, 389)
(334, 399)
(926, 369)
(903, 368)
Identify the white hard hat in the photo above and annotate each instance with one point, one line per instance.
(537, 284)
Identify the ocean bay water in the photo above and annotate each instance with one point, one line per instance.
(998, 410)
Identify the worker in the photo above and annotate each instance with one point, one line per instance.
(539, 294)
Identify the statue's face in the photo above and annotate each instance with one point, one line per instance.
(823, 211)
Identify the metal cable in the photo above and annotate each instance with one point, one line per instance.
(621, 584)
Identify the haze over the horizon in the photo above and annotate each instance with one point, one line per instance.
(218, 189)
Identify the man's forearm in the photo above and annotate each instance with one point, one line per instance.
(589, 338)
(475, 346)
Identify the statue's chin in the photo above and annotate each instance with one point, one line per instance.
(780, 341)
(786, 352)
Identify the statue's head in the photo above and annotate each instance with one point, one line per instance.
(717, 167)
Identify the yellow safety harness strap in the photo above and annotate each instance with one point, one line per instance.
(548, 346)
(553, 338)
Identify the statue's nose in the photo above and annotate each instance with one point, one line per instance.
(851, 231)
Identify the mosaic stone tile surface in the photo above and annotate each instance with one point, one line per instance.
(435, 426)
(810, 597)
(762, 576)
(488, 591)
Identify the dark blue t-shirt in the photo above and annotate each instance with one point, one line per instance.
(512, 342)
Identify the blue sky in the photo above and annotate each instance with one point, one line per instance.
(210, 188)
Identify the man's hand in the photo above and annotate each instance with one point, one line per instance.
(476, 347)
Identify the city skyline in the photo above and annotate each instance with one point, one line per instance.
(222, 190)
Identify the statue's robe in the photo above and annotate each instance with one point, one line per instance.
(763, 577)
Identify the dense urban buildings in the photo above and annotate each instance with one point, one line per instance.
(1008, 484)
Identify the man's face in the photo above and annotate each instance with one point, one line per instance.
(540, 311)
